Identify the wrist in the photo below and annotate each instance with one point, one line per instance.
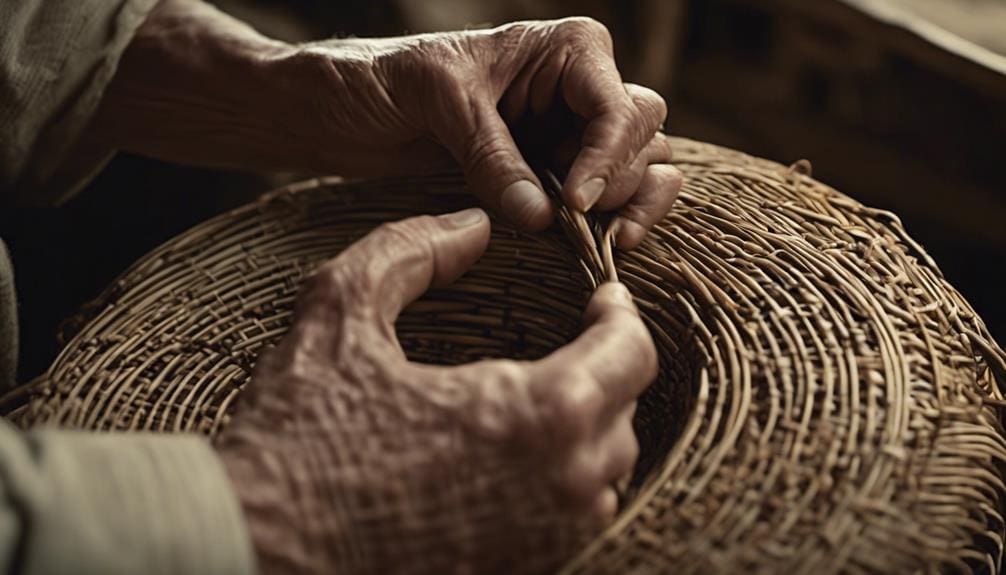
(269, 512)
(196, 86)
(353, 120)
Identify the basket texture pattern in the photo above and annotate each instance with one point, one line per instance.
(827, 402)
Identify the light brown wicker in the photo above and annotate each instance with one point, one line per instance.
(826, 401)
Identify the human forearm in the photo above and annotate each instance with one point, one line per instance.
(198, 87)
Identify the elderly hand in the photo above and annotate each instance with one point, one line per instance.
(395, 104)
(348, 458)
(196, 86)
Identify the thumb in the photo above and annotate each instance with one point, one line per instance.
(495, 169)
(396, 263)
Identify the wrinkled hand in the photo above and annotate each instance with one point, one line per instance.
(348, 458)
(199, 87)
(412, 103)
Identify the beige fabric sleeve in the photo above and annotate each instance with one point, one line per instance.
(56, 58)
(76, 502)
(8, 323)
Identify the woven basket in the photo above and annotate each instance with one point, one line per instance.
(826, 401)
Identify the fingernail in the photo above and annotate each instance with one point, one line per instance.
(521, 200)
(589, 193)
(464, 218)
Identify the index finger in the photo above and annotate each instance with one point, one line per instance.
(617, 130)
(615, 349)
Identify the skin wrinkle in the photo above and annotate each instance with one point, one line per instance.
(386, 94)
(484, 153)
(371, 118)
(501, 71)
(500, 67)
(492, 407)
(378, 102)
(347, 457)
(638, 212)
(399, 393)
(336, 110)
(624, 184)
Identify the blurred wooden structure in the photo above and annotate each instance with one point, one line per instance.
(901, 103)
(887, 103)
(893, 115)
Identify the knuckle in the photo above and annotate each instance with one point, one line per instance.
(585, 26)
(436, 54)
(636, 133)
(667, 182)
(646, 351)
(486, 152)
(399, 230)
(662, 109)
(651, 104)
(642, 126)
(640, 210)
(576, 403)
(659, 189)
(450, 81)
(622, 187)
(501, 401)
(391, 232)
(443, 79)
(675, 179)
(619, 146)
(511, 377)
(409, 234)
(658, 111)
(624, 115)
(613, 293)
(665, 152)
(511, 34)
(356, 273)
(581, 478)
(327, 284)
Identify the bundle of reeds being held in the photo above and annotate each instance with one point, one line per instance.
(826, 400)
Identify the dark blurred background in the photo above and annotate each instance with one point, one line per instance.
(898, 103)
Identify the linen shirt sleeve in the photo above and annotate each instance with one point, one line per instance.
(77, 502)
(8, 323)
(56, 59)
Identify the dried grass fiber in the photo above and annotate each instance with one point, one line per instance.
(827, 402)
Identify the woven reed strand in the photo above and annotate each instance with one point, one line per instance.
(827, 402)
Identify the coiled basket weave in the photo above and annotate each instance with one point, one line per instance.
(827, 402)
